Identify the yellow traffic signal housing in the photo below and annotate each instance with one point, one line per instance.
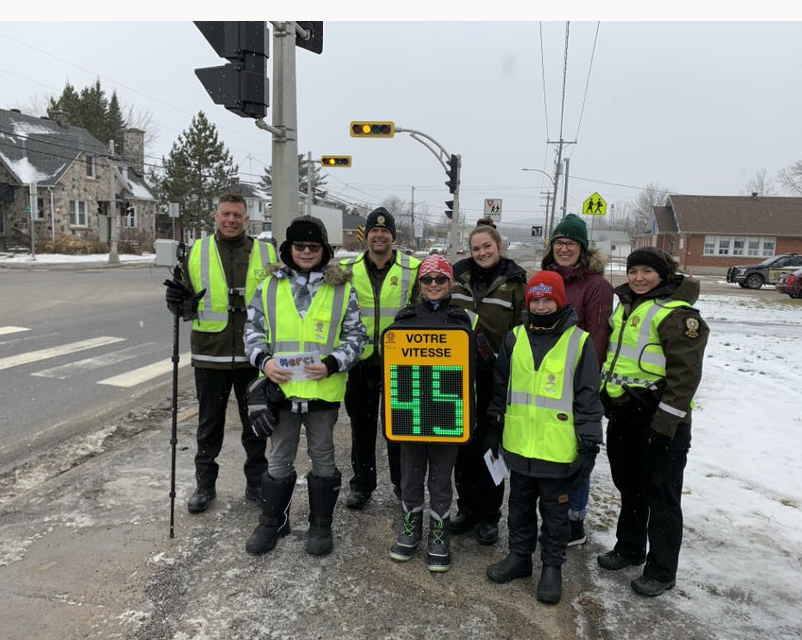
(372, 129)
(335, 161)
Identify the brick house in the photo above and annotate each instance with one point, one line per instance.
(71, 170)
(709, 234)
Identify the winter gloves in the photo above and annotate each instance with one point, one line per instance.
(583, 464)
(180, 299)
(263, 399)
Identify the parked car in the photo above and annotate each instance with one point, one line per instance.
(403, 249)
(791, 283)
(439, 248)
(754, 276)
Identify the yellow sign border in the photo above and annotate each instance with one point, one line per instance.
(459, 341)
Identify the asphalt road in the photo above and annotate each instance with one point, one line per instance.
(74, 347)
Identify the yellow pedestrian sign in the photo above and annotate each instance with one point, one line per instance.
(594, 206)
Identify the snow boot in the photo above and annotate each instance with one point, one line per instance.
(512, 567)
(650, 587)
(577, 536)
(438, 556)
(550, 587)
(410, 536)
(323, 494)
(275, 519)
(614, 561)
(462, 523)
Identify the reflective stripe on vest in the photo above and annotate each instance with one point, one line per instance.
(474, 317)
(634, 342)
(391, 297)
(206, 272)
(539, 420)
(319, 330)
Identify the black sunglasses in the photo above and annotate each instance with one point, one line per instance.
(313, 247)
(435, 279)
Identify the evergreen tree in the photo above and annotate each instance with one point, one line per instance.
(318, 181)
(93, 111)
(197, 170)
(116, 122)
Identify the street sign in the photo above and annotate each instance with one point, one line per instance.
(428, 384)
(493, 208)
(173, 209)
(537, 231)
(594, 206)
(418, 228)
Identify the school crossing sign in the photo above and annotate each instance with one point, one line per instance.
(428, 384)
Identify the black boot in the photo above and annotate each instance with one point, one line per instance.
(462, 523)
(513, 566)
(438, 556)
(410, 536)
(550, 587)
(275, 519)
(200, 499)
(323, 494)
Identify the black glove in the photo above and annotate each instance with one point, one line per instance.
(583, 464)
(263, 398)
(490, 434)
(180, 299)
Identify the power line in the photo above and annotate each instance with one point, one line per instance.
(543, 80)
(565, 78)
(587, 83)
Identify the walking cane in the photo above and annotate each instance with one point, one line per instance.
(179, 255)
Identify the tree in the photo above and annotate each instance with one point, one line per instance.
(791, 178)
(197, 170)
(760, 184)
(318, 181)
(654, 195)
(115, 123)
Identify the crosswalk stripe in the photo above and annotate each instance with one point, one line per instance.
(10, 329)
(81, 366)
(54, 352)
(138, 376)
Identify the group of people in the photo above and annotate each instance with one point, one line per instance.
(552, 358)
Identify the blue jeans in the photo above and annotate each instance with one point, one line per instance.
(578, 503)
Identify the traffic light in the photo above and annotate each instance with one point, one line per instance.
(372, 129)
(241, 85)
(454, 164)
(336, 161)
(449, 211)
(315, 30)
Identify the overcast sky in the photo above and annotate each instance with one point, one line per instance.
(695, 106)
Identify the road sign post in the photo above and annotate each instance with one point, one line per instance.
(493, 209)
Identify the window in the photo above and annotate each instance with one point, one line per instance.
(39, 214)
(77, 213)
(130, 217)
(90, 167)
(738, 246)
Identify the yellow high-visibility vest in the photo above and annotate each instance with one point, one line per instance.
(206, 272)
(635, 356)
(395, 294)
(318, 330)
(539, 420)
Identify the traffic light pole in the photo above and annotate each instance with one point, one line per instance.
(442, 156)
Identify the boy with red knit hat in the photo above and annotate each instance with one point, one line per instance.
(546, 397)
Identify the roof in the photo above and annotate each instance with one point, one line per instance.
(743, 215)
(40, 150)
(138, 188)
(247, 190)
(351, 221)
(664, 218)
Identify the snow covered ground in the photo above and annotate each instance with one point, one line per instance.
(61, 258)
(740, 573)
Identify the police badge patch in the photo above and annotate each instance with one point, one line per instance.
(692, 328)
(319, 327)
(635, 321)
(394, 280)
(380, 221)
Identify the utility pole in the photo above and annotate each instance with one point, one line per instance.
(565, 189)
(32, 193)
(284, 171)
(560, 143)
(309, 174)
(114, 257)
(412, 215)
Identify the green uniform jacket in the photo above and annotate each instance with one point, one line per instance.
(228, 344)
(683, 338)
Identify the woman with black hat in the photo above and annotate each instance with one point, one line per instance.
(582, 271)
(649, 378)
(306, 309)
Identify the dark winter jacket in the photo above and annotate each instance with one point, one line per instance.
(588, 410)
(683, 338)
(235, 255)
(592, 298)
(500, 306)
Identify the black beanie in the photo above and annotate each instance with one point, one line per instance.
(382, 219)
(649, 257)
(306, 229)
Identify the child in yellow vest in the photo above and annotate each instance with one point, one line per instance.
(546, 395)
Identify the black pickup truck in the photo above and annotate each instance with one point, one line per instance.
(754, 276)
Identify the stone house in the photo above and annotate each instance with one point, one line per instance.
(70, 169)
(710, 234)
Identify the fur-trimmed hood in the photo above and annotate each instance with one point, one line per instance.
(597, 262)
(332, 273)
